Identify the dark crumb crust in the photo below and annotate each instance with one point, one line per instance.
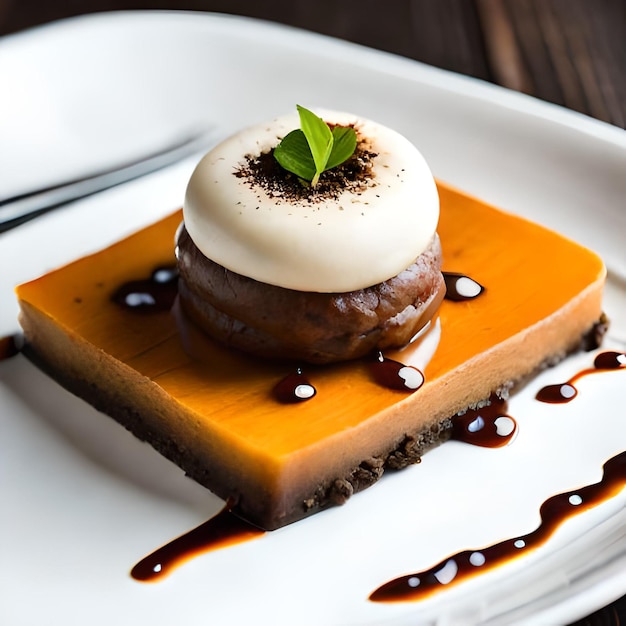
(409, 452)
(332, 492)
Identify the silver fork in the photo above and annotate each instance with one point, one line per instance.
(21, 208)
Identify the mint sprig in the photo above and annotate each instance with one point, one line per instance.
(314, 148)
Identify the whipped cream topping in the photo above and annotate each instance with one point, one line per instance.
(358, 237)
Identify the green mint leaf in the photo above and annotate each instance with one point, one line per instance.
(293, 153)
(320, 139)
(313, 149)
(344, 145)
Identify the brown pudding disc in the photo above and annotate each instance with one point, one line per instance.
(274, 322)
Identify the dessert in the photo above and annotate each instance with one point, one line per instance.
(110, 328)
(283, 269)
(213, 413)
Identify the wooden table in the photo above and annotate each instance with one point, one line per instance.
(569, 52)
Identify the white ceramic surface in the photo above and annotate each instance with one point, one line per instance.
(82, 500)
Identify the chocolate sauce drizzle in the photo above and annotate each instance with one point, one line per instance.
(566, 392)
(223, 530)
(458, 567)
(488, 427)
(153, 295)
(460, 287)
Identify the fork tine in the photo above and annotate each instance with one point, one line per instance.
(21, 208)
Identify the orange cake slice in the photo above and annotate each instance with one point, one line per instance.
(212, 410)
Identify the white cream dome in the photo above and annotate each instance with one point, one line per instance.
(357, 239)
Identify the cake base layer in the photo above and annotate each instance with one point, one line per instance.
(211, 410)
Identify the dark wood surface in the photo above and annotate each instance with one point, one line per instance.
(569, 52)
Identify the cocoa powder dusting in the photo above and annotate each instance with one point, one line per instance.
(354, 175)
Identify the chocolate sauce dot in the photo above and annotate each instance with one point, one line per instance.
(394, 375)
(460, 287)
(488, 427)
(610, 360)
(151, 295)
(294, 388)
(557, 394)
